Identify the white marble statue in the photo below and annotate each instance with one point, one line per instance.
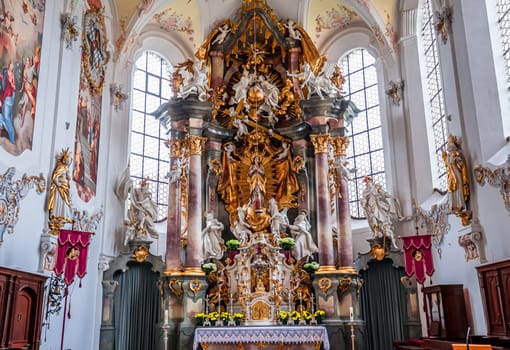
(143, 211)
(316, 84)
(293, 32)
(381, 209)
(212, 242)
(241, 87)
(195, 81)
(242, 129)
(279, 220)
(300, 231)
(220, 38)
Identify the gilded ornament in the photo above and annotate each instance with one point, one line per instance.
(196, 144)
(195, 286)
(69, 29)
(378, 252)
(175, 287)
(394, 91)
(344, 284)
(320, 143)
(175, 146)
(141, 254)
(458, 182)
(340, 144)
(325, 284)
(59, 202)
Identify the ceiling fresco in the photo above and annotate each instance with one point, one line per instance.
(193, 20)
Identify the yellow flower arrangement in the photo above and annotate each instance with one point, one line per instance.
(319, 314)
(307, 315)
(295, 315)
(238, 316)
(283, 315)
(200, 318)
(225, 316)
(213, 316)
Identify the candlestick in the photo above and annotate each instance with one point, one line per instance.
(351, 313)
(166, 317)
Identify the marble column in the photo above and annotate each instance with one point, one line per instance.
(293, 60)
(324, 230)
(194, 247)
(217, 63)
(343, 216)
(173, 230)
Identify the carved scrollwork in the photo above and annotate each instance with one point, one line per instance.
(325, 284)
(499, 177)
(175, 287)
(141, 254)
(320, 143)
(11, 193)
(195, 286)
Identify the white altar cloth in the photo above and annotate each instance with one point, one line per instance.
(288, 335)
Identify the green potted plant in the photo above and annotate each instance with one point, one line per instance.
(232, 245)
(208, 268)
(311, 267)
(286, 243)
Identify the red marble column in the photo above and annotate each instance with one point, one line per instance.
(293, 61)
(194, 247)
(343, 215)
(217, 69)
(173, 230)
(324, 230)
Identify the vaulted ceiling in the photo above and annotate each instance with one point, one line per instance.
(190, 21)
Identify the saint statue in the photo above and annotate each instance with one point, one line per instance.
(212, 243)
(300, 231)
(59, 203)
(456, 171)
(143, 211)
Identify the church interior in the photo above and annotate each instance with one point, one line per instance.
(254, 174)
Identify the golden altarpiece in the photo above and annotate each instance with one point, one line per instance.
(257, 145)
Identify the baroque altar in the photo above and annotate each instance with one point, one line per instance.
(257, 142)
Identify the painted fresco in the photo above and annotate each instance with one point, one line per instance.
(21, 31)
(95, 57)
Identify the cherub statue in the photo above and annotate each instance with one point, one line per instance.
(224, 30)
(293, 32)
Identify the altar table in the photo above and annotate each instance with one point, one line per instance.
(261, 337)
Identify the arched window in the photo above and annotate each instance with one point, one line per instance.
(149, 155)
(434, 95)
(365, 153)
(503, 10)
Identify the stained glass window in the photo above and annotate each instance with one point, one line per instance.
(149, 155)
(434, 85)
(365, 153)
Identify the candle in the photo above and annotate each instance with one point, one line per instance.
(166, 316)
(351, 313)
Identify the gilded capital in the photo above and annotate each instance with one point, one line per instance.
(340, 144)
(196, 144)
(320, 143)
(175, 146)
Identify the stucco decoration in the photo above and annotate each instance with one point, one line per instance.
(394, 91)
(70, 29)
(118, 96)
(443, 23)
(11, 194)
(472, 241)
(433, 221)
(499, 177)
